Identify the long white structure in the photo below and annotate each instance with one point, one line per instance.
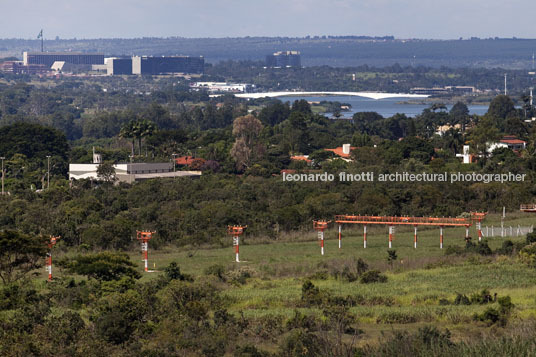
(130, 172)
(371, 95)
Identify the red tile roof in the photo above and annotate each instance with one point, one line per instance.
(338, 151)
(184, 160)
(301, 158)
(513, 141)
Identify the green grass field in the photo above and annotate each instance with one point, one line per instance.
(416, 281)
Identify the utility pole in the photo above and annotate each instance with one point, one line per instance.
(505, 84)
(2, 158)
(48, 172)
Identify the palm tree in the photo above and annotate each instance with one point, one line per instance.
(143, 128)
(127, 132)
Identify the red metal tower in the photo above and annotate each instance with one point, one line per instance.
(320, 226)
(144, 237)
(236, 231)
(52, 242)
(478, 217)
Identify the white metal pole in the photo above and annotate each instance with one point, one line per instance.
(322, 242)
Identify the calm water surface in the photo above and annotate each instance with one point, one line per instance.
(384, 107)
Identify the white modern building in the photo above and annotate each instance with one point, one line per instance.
(213, 87)
(130, 172)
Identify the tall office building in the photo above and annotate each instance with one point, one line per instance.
(48, 58)
(167, 65)
(117, 66)
(284, 59)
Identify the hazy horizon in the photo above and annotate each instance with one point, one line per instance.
(403, 19)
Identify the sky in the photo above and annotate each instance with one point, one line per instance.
(432, 19)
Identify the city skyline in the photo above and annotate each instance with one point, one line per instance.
(236, 18)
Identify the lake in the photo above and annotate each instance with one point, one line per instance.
(385, 107)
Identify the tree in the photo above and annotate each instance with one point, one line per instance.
(137, 130)
(33, 141)
(295, 132)
(127, 132)
(106, 172)
(105, 266)
(20, 254)
(246, 129)
(144, 128)
(274, 113)
(484, 133)
(459, 114)
(301, 106)
(501, 107)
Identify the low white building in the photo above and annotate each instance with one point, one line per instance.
(213, 87)
(130, 172)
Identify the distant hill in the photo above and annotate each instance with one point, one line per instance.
(334, 51)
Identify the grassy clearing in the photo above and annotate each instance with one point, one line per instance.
(417, 281)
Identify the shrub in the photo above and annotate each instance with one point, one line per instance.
(505, 304)
(299, 320)
(361, 266)
(173, 272)
(531, 238)
(507, 248)
(104, 266)
(528, 255)
(483, 297)
(490, 316)
(373, 276)
(483, 248)
(300, 343)
(217, 270)
(461, 300)
(348, 275)
(311, 295)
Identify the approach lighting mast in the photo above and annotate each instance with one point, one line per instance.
(51, 243)
(236, 232)
(144, 237)
(320, 227)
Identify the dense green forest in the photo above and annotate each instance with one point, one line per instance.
(197, 302)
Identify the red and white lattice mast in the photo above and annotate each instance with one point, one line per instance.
(320, 227)
(478, 217)
(144, 237)
(51, 243)
(236, 231)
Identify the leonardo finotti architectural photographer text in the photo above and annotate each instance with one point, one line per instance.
(451, 177)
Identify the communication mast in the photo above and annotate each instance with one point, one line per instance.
(144, 237)
(236, 232)
(320, 226)
(52, 242)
